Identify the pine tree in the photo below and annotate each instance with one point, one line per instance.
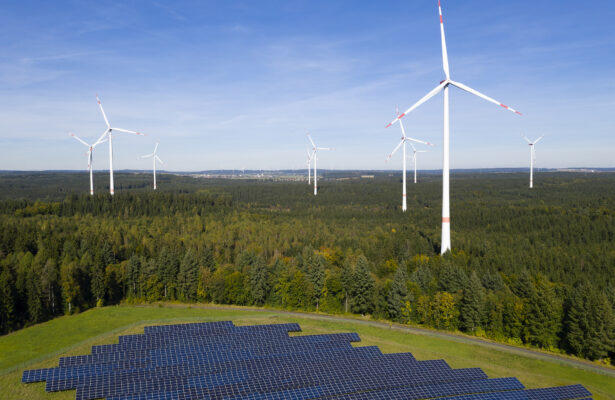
(472, 305)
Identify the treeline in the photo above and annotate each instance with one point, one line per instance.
(524, 269)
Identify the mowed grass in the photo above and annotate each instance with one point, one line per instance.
(40, 346)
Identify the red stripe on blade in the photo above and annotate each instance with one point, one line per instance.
(506, 107)
(441, 19)
(401, 115)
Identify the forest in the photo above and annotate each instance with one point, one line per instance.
(533, 267)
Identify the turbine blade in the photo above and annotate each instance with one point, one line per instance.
(311, 141)
(413, 148)
(147, 156)
(127, 131)
(421, 101)
(419, 141)
(444, 52)
(79, 139)
(324, 148)
(394, 151)
(477, 93)
(537, 140)
(103, 112)
(102, 138)
(156, 148)
(158, 158)
(527, 140)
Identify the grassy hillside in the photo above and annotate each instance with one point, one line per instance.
(40, 346)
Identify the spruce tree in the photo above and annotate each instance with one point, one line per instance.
(362, 299)
(398, 294)
(187, 277)
(543, 316)
(7, 299)
(316, 276)
(472, 305)
(133, 271)
(259, 281)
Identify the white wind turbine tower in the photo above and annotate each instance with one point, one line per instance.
(309, 165)
(155, 158)
(443, 86)
(402, 144)
(314, 150)
(90, 150)
(109, 135)
(532, 157)
(414, 151)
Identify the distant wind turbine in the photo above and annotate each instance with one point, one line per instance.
(314, 151)
(443, 86)
(109, 135)
(155, 158)
(89, 153)
(402, 144)
(532, 157)
(414, 151)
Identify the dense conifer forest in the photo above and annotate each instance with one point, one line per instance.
(532, 267)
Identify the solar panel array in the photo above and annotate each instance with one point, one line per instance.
(218, 360)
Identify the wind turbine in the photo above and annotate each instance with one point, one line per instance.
(109, 135)
(314, 150)
(443, 86)
(89, 153)
(532, 157)
(155, 158)
(402, 144)
(414, 151)
(309, 165)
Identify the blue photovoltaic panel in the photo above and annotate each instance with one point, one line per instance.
(218, 360)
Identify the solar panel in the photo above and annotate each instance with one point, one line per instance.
(216, 360)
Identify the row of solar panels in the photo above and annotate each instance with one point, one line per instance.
(218, 360)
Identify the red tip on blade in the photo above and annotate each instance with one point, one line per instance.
(506, 107)
(441, 19)
(401, 116)
(438, 3)
(518, 112)
(390, 123)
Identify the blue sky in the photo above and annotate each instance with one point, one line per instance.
(234, 84)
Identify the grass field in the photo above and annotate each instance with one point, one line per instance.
(40, 346)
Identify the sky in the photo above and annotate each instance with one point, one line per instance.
(237, 84)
